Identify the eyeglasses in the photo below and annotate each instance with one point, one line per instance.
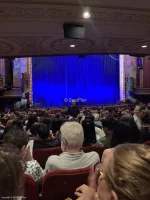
(100, 175)
(61, 138)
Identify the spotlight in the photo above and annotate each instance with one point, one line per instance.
(144, 46)
(86, 15)
(72, 46)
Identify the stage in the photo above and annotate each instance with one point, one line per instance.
(92, 80)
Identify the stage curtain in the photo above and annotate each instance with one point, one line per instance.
(94, 78)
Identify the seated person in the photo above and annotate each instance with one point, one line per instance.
(145, 130)
(32, 118)
(119, 176)
(72, 138)
(20, 139)
(45, 137)
(97, 121)
(56, 124)
(109, 125)
(1, 131)
(12, 168)
(126, 131)
(8, 128)
(89, 130)
(33, 131)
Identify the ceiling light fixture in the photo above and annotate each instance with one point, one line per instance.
(72, 46)
(86, 15)
(144, 46)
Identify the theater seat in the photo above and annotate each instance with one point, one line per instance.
(61, 184)
(147, 143)
(41, 155)
(30, 188)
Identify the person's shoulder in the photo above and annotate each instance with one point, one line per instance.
(102, 139)
(52, 159)
(105, 153)
(93, 157)
(92, 154)
(32, 164)
(97, 129)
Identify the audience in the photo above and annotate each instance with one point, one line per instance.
(56, 124)
(126, 131)
(31, 120)
(145, 130)
(72, 138)
(8, 128)
(12, 169)
(89, 130)
(114, 128)
(45, 137)
(97, 121)
(98, 127)
(109, 126)
(120, 177)
(20, 139)
(47, 121)
(137, 111)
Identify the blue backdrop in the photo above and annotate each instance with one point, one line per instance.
(57, 79)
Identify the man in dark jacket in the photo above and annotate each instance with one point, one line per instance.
(73, 110)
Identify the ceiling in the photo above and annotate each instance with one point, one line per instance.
(35, 27)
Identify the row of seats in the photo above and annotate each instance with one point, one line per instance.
(147, 143)
(56, 185)
(41, 155)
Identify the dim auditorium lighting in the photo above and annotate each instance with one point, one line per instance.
(144, 46)
(86, 15)
(72, 46)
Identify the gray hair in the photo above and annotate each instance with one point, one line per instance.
(73, 133)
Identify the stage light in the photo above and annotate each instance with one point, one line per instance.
(72, 46)
(144, 46)
(86, 15)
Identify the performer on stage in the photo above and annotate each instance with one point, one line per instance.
(73, 110)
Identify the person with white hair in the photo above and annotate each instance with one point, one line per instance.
(98, 127)
(72, 138)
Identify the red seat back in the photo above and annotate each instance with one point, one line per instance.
(41, 155)
(61, 184)
(1, 141)
(30, 188)
(147, 143)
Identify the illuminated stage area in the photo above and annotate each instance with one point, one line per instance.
(92, 80)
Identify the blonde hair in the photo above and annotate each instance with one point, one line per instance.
(129, 173)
